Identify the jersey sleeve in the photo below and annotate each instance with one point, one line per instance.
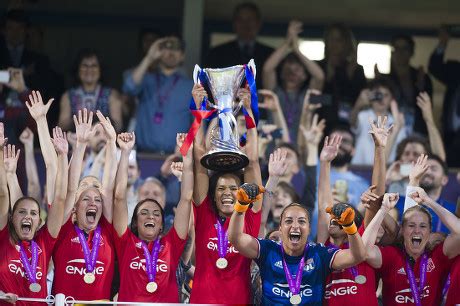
(252, 222)
(121, 242)
(45, 239)
(176, 244)
(327, 256)
(388, 253)
(265, 245)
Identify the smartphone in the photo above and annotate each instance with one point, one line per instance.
(4, 76)
(341, 188)
(405, 169)
(324, 99)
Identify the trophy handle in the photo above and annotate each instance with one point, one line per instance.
(252, 65)
(196, 70)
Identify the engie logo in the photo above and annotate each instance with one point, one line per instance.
(346, 286)
(213, 246)
(15, 266)
(78, 267)
(139, 264)
(282, 290)
(405, 296)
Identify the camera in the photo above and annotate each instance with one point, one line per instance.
(376, 96)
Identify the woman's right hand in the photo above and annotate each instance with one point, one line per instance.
(198, 94)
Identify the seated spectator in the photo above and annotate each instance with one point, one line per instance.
(247, 22)
(447, 73)
(163, 96)
(296, 74)
(344, 76)
(89, 93)
(409, 81)
(374, 102)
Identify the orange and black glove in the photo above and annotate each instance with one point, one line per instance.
(246, 195)
(344, 214)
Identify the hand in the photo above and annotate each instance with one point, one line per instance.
(307, 106)
(292, 35)
(109, 130)
(16, 82)
(418, 169)
(343, 213)
(244, 95)
(177, 169)
(444, 37)
(370, 200)
(330, 148)
(3, 139)
(363, 100)
(314, 134)
(398, 117)
(126, 141)
(180, 138)
(271, 101)
(379, 132)
(389, 201)
(60, 141)
(9, 297)
(198, 94)
(155, 51)
(424, 103)
(27, 137)
(10, 158)
(277, 165)
(419, 195)
(394, 172)
(83, 123)
(36, 107)
(376, 71)
(249, 193)
(165, 169)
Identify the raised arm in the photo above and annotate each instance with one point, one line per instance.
(451, 246)
(110, 166)
(38, 111)
(83, 132)
(126, 143)
(152, 57)
(379, 133)
(11, 162)
(325, 199)
(399, 123)
(276, 168)
(65, 112)
(182, 215)
(436, 143)
(345, 215)
(201, 178)
(252, 171)
(33, 182)
(56, 212)
(244, 243)
(4, 198)
(272, 104)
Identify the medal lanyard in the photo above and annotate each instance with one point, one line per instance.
(162, 98)
(30, 267)
(90, 256)
(151, 259)
(417, 291)
(290, 107)
(294, 284)
(222, 240)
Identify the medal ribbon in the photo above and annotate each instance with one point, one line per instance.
(151, 259)
(163, 97)
(30, 267)
(446, 286)
(251, 83)
(294, 285)
(417, 291)
(90, 257)
(222, 240)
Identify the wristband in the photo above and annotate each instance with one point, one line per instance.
(241, 208)
(350, 229)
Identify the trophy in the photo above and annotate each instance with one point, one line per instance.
(221, 86)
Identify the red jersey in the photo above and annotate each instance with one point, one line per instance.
(341, 288)
(13, 277)
(133, 275)
(396, 288)
(453, 295)
(231, 285)
(70, 267)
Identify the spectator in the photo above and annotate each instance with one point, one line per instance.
(89, 93)
(373, 102)
(31, 68)
(447, 73)
(410, 82)
(296, 74)
(162, 111)
(247, 22)
(344, 77)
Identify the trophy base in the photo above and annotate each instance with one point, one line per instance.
(224, 161)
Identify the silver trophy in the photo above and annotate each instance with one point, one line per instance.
(222, 85)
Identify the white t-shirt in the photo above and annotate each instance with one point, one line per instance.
(364, 147)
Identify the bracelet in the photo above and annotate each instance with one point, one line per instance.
(350, 229)
(241, 208)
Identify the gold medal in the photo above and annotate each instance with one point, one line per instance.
(89, 278)
(34, 287)
(295, 299)
(151, 287)
(360, 279)
(221, 263)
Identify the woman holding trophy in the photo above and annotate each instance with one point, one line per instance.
(222, 275)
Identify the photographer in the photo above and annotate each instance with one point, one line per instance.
(376, 101)
(162, 111)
